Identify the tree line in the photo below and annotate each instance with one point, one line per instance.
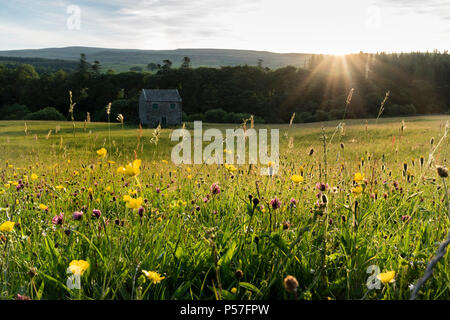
(418, 83)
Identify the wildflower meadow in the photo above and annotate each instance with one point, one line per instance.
(99, 211)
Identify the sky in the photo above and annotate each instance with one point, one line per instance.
(315, 26)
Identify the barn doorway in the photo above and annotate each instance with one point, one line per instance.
(163, 121)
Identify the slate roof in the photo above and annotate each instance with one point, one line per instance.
(162, 95)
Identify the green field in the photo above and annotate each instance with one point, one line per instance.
(224, 246)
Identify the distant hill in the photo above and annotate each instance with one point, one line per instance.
(124, 59)
(41, 64)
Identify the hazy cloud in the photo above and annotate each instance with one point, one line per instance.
(276, 25)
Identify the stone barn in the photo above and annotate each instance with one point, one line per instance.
(158, 106)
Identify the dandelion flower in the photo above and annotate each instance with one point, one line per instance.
(230, 167)
(297, 178)
(43, 207)
(7, 226)
(102, 152)
(131, 169)
(153, 276)
(78, 267)
(134, 204)
(358, 177)
(386, 277)
(357, 190)
(34, 177)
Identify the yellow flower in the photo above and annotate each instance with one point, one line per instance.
(153, 276)
(189, 176)
(387, 277)
(7, 226)
(358, 177)
(108, 188)
(34, 177)
(297, 178)
(2, 191)
(134, 203)
(132, 192)
(78, 267)
(131, 169)
(69, 161)
(233, 290)
(43, 207)
(357, 190)
(102, 152)
(164, 161)
(126, 198)
(59, 187)
(7, 185)
(188, 170)
(230, 167)
(111, 162)
(270, 164)
(90, 191)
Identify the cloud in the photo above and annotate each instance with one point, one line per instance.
(275, 25)
(438, 8)
(145, 23)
